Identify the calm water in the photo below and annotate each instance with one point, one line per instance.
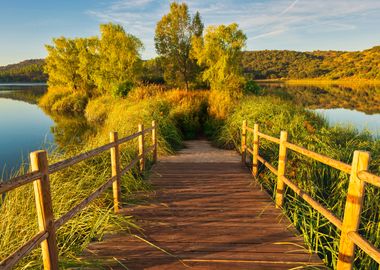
(349, 106)
(24, 127)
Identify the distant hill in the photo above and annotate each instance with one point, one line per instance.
(266, 64)
(25, 71)
(275, 64)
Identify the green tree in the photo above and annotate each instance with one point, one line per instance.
(87, 63)
(62, 64)
(119, 60)
(173, 36)
(220, 52)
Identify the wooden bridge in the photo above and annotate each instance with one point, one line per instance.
(206, 210)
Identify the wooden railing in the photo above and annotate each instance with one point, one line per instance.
(359, 176)
(40, 178)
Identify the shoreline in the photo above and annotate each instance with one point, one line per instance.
(320, 81)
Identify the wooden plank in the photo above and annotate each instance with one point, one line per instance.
(244, 142)
(19, 181)
(269, 138)
(321, 158)
(352, 210)
(255, 153)
(366, 246)
(115, 170)
(39, 162)
(76, 159)
(280, 188)
(154, 141)
(141, 148)
(369, 178)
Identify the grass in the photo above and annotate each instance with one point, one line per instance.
(326, 185)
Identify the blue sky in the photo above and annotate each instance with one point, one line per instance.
(26, 25)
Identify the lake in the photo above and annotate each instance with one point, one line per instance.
(24, 127)
(357, 106)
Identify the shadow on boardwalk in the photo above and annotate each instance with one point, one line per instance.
(206, 213)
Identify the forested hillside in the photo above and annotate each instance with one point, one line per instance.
(266, 64)
(275, 64)
(25, 71)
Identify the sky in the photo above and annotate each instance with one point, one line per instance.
(303, 25)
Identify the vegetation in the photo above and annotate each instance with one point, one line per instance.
(24, 72)
(333, 65)
(174, 33)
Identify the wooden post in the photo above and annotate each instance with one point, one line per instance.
(115, 165)
(281, 169)
(44, 207)
(352, 211)
(154, 141)
(244, 142)
(141, 147)
(255, 162)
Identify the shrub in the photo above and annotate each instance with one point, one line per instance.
(123, 89)
(251, 87)
(52, 96)
(72, 103)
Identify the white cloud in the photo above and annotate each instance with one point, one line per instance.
(260, 19)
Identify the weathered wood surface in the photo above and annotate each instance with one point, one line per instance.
(206, 213)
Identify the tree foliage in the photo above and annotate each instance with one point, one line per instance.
(173, 36)
(119, 60)
(94, 65)
(220, 53)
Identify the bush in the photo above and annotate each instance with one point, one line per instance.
(52, 96)
(63, 101)
(251, 87)
(123, 89)
(72, 103)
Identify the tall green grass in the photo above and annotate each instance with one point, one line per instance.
(326, 185)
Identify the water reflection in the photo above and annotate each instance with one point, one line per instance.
(357, 106)
(25, 127)
(364, 98)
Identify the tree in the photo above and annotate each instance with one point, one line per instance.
(173, 36)
(62, 64)
(119, 58)
(220, 51)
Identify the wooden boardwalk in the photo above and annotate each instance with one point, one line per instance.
(206, 213)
